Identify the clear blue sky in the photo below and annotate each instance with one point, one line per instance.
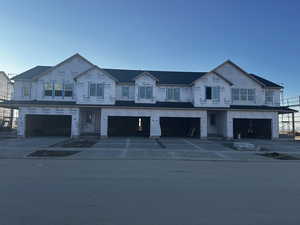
(262, 37)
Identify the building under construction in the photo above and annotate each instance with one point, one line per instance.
(289, 124)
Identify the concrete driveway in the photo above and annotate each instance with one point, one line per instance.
(145, 148)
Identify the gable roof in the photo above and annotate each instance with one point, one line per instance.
(145, 73)
(267, 83)
(128, 76)
(31, 73)
(164, 77)
(97, 68)
(63, 62)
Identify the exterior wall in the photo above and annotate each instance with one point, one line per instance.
(211, 80)
(64, 73)
(154, 115)
(145, 80)
(23, 111)
(96, 76)
(252, 115)
(185, 93)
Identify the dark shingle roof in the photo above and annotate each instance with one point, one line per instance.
(164, 77)
(125, 76)
(267, 83)
(31, 73)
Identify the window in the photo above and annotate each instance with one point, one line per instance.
(68, 90)
(243, 94)
(235, 94)
(58, 89)
(216, 94)
(251, 94)
(96, 90)
(145, 92)
(208, 92)
(48, 88)
(212, 93)
(173, 94)
(269, 96)
(125, 92)
(26, 91)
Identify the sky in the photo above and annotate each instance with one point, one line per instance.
(262, 37)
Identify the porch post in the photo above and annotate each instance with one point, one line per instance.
(203, 125)
(293, 125)
(155, 130)
(103, 124)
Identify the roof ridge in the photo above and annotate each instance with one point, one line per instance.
(144, 70)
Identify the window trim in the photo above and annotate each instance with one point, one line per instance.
(23, 91)
(122, 91)
(145, 92)
(98, 88)
(172, 92)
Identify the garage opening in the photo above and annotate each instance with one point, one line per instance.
(252, 128)
(124, 126)
(180, 127)
(48, 125)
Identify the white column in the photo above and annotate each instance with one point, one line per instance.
(103, 124)
(21, 123)
(203, 125)
(75, 131)
(229, 126)
(155, 130)
(275, 126)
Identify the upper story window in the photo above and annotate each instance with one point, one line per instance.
(212, 93)
(269, 96)
(68, 90)
(125, 92)
(58, 89)
(145, 92)
(243, 94)
(173, 94)
(26, 91)
(48, 88)
(96, 90)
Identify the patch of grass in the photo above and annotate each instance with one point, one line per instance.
(47, 153)
(279, 156)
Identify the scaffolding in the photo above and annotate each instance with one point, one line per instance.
(289, 124)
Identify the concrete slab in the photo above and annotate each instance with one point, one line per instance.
(31, 142)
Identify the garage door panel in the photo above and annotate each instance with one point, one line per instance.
(180, 127)
(48, 125)
(252, 128)
(125, 126)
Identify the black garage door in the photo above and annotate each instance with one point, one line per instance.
(252, 128)
(128, 126)
(48, 125)
(180, 127)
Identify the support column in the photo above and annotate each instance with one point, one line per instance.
(75, 124)
(229, 126)
(21, 123)
(203, 125)
(155, 131)
(293, 125)
(103, 125)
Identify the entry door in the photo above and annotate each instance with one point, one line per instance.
(89, 122)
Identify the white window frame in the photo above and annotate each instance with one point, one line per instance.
(238, 93)
(143, 92)
(26, 91)
(98, 90)
(269, 96)
(125, 94)
(171, 94)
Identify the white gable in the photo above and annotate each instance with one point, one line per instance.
(236, 76)
(67, 70)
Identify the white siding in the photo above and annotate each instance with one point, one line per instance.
(96, 76)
